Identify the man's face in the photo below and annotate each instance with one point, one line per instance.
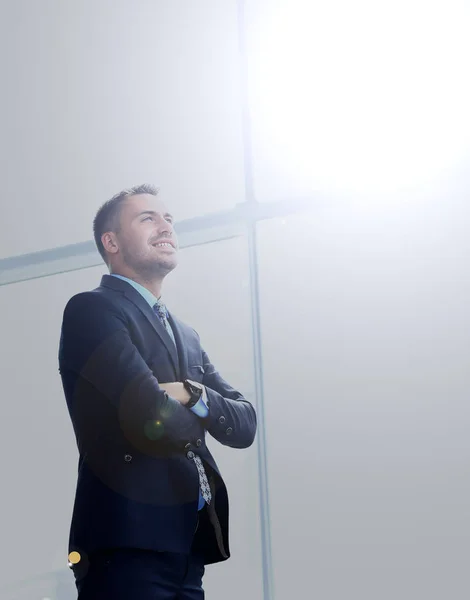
(146, 240)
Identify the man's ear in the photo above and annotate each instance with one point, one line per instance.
(110, 242)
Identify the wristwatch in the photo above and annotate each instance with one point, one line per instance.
(195, 390)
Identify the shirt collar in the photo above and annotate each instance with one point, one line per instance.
(144, 292)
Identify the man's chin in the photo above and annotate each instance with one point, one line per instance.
(155, 269)
(166, 266)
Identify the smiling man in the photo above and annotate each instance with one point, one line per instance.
(151, 508)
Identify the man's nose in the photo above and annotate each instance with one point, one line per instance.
(165, 229)
(164, 226)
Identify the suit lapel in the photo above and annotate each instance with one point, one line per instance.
(133, 295)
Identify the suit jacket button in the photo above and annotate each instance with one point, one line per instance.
(188, 446)
(190, 455)
(221, 420)
(127, 457)
(199, 443)
(228, 431)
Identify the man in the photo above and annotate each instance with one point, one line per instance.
(151, 507)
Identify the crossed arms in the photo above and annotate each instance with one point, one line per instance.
(97, 348)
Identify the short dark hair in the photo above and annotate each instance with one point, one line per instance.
(108, 216)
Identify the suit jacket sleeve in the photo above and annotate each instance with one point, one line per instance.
(96, 346)
(231, 419)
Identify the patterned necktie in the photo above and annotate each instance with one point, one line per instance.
(203, 481)
(162, 312)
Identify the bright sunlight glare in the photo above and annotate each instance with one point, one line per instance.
(365, 95)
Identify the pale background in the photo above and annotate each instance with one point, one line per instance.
(364, 299)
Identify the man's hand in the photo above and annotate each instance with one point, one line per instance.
(177, 391)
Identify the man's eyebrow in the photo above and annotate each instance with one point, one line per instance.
(153, 213)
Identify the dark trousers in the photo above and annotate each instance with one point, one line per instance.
(130, 574)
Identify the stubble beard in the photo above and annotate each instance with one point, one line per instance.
(148, 269)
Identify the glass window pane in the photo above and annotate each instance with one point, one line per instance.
(36, 437)
(365, 336)
(162, 107)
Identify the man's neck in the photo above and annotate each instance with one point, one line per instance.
(154, 286)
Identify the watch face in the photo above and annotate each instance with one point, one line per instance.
(196, 388)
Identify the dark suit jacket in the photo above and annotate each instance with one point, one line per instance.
(137, 484)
